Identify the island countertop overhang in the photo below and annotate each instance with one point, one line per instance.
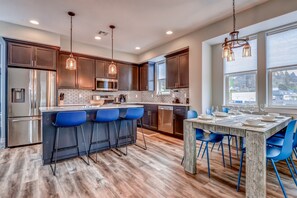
(86, 108)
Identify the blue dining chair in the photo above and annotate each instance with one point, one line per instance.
(212, 138)
(276, 154)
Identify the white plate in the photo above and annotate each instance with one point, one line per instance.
(205, 118)
(254, 125)
(221, 115)
(265, 120)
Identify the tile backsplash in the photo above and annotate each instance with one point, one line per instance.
(76, 96)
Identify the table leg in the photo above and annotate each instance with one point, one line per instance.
(255, 165)
(189, 148)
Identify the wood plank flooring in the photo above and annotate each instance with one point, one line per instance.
(153, 173)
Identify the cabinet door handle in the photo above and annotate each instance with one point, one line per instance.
(32, 63)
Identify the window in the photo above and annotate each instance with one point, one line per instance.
(241, 77)
(161, 78)
(281, 47)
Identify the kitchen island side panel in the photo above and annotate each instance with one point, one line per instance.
(67, 135)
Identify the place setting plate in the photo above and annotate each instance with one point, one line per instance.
(254, 125)
(205, 118)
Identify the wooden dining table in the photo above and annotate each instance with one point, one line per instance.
(255, 143)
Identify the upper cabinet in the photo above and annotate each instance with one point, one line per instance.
(147, 77)
(102, 70)
(31, 55)
(66, 79)
(177, 70)
(85, 73)
(128, 77)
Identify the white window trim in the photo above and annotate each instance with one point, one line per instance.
(269, 85)
(226, 87)
(158, 93)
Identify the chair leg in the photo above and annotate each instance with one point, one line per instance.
(91, 139)
(117, 147)
(219, 146)
(279, 179)
(230, 155)
(294, 167)
(207, 155)
(239, 172)
(291, 172)
(117, 140)
(182, 161)
(204, 151)
(200, 149)
(212, 146)
(143, 137)
(223, 156)
(108, 135)
(56, 146)
(295, 152)
(85, 145)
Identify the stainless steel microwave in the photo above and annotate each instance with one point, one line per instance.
(104, 84)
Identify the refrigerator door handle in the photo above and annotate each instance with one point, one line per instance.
(23, 120)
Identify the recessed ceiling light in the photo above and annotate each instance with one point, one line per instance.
(34, 22)
(137, 48)
(97, 37)
(169, 32)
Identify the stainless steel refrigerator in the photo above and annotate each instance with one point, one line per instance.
(28, 89)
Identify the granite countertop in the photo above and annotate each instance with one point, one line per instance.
(160, 103)
(87, 107)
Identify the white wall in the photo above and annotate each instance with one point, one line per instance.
(19, 32)
(14, 31)
(263, 12)
(96, 51)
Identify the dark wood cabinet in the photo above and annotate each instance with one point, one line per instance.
(102, 70)
(20, 55)
(45, 58)
(66, 79)
(128, 77)
(85, 73)
(32, 56)
(179, 114)
(177, 70)
(147, 77)
(150, 117)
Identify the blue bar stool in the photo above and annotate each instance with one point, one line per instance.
(105, 116)
(66, 120)
(131, 114)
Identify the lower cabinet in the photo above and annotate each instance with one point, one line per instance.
(150, 117)
(179, 114)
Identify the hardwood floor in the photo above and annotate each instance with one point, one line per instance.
(153, 173)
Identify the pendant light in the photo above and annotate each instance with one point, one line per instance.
(71, 62)
(112, 68)
(235, 42)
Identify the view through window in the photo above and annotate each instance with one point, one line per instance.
(161, 78)
(241, 77)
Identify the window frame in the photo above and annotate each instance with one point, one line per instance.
(158, 92)
(269, 71)
(226, 86)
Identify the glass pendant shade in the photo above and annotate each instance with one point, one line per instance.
(231, 56)
(71, 63)
(225, 51)
(112, 69)
(246, 51)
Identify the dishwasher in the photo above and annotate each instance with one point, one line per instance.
(165, 119)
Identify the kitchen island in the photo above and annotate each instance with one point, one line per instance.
(67, 136)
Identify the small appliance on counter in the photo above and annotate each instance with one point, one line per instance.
(122, 98)
(176, 100)
(61, 99)
(102, 99)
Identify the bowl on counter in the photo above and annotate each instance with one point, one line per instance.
(268, 117)
(273, 114)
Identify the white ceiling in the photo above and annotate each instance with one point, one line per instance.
(140, 23)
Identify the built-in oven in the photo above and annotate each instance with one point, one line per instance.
(104, 84)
